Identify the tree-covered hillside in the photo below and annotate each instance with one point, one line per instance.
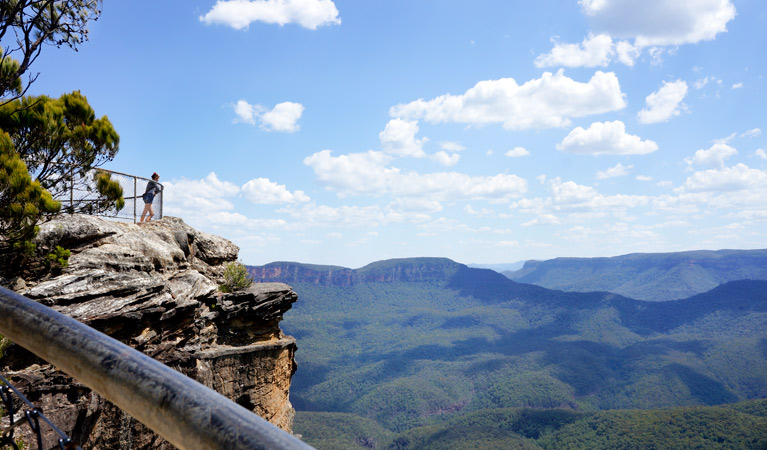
(647, 276)
(410, 344)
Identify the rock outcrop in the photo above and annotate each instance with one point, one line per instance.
(154, 287)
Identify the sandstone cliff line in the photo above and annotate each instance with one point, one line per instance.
(154, 287)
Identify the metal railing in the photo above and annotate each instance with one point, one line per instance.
(31, 417)
(133, 188)
(181, 410)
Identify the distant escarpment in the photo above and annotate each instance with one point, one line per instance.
(154, 287)
(392, 270)
(647, 276)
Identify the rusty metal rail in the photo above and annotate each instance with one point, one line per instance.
(181, 410)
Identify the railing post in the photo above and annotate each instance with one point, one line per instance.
(181, 410)
(135, 198)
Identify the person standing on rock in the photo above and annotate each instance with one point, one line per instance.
(152, 189)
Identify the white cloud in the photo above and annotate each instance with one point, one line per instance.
(368, 173)
(446, 159)
(549, 101)
(595, 51)
(239, 14)
(643, 178)
(415, 204)
(659, 22)
(452, 146)
(517, 152)
(310, 215)
(246, 112)
(664, 103)
(265, 191)
(592, 52)
(198, 196)
(737, 85)
(606, 138)
(751, 133)
(283, 117)
(713, 156)
(760, 152)
(571, 201)
(398, 138)
(736, 178)
(618, 170)
(627, 53)
(354, 173)
(700, 84)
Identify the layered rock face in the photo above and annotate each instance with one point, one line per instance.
(154, 287)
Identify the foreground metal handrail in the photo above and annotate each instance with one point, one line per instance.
(181, 410)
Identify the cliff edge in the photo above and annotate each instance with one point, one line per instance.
(154, 287)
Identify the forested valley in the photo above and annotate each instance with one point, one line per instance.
(429, 353)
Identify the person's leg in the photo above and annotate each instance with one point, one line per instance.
(151, 212)
(147, 209)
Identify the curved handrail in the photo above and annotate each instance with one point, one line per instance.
(181, 410)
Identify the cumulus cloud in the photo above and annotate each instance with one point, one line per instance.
(605, 138)
(664, 103)
(549, 101)
(659, 22)
(761, 153)
(368, 173)
(517, 152)
(713, 156)
(398, 138)
(283, 117)
(592, 52)
(310, 215)
(191, 196)
(265, 191)
(445, 158)
(353, 173)
(619, 170)
(737, 85)
(452, 146)
(736, 178)
(751, 133)
(239, 14)
(576, 201)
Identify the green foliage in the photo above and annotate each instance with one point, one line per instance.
(681, 428)
(339, 431)
(61, 141)
(110, 193)
(417, 356)
(236, 277)
(35, 24)
(58, 259)
(23, 202)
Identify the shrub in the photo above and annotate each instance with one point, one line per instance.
(236, 277)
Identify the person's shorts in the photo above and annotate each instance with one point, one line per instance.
(148, 197)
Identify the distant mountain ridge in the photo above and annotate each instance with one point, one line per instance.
(392, 270)
(647, 276)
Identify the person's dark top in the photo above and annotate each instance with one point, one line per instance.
(153, 187)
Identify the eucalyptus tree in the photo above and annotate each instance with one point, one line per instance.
(26, 26)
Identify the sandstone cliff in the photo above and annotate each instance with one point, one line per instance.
(392, 270)
(154, 287)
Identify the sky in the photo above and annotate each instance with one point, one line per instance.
(344, 132)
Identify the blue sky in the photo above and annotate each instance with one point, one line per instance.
(346, 132)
